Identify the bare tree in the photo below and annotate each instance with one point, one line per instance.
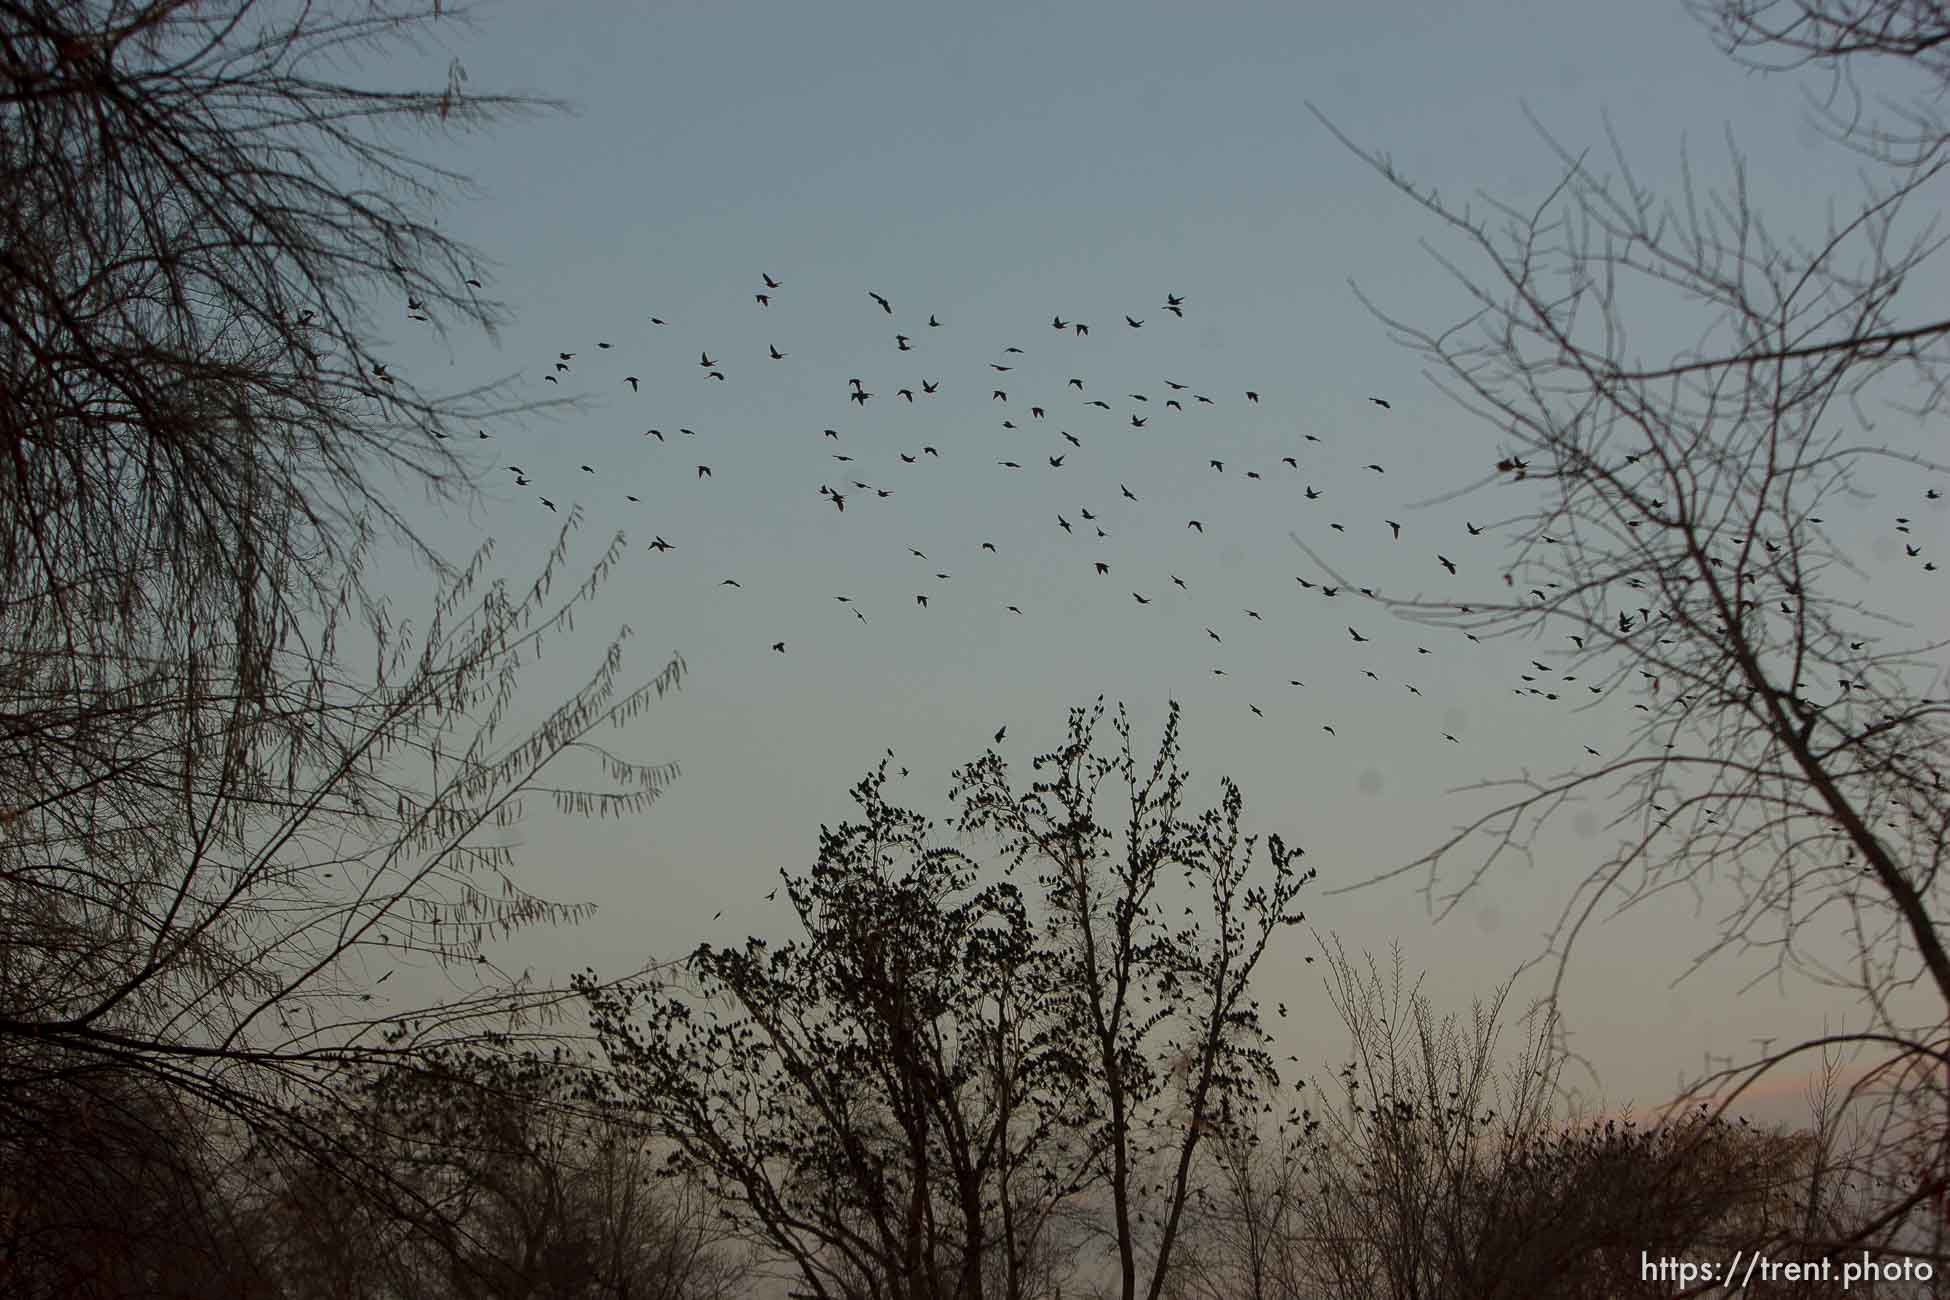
(1841, 37)
(528, 1191)
(197, 436)
(1443, 1166)
(1671, 549)
(942, 1079)
(110, 1181)
(233, 787)
(236, 969)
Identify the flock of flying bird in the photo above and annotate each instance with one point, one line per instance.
(1067, 421)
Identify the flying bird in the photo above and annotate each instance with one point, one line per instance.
(885, 306)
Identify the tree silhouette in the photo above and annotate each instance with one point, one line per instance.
(232, 783)
(948, 1074)
(519, 1189)
(1672, 522)
(1439, 1165)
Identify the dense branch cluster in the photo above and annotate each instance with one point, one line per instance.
(952, 1086)
(232, 785)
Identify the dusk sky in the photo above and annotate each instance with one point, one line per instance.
(996, 166)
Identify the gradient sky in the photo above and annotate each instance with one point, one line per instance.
(996, 165)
